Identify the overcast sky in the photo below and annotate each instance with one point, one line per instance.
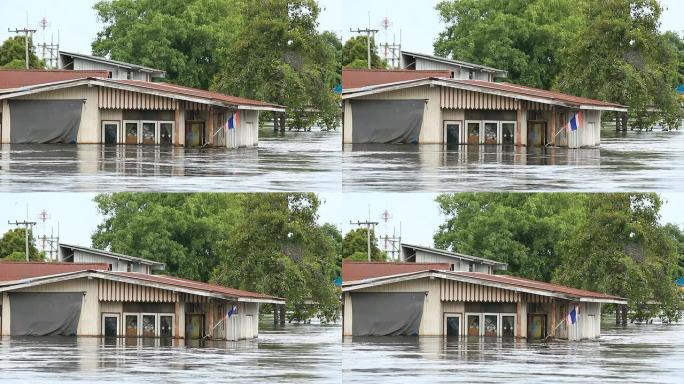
(417, 20)
(416, 213)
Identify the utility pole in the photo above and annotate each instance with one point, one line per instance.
(368, 31)
(26, 32)
(26, 225)
(368, 225)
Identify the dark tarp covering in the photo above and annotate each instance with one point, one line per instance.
(386, 313)
(44, 121)
(44, 313)
(386, 121)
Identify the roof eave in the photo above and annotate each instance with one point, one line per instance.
(369, 283)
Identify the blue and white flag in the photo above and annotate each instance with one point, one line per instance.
(572, 315)
(232, 311)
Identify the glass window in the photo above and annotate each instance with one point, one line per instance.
(165, 133)
(473, 133)
(473, 325)
(507, 326)
(507, 133)
(165, 326)
(131, 130)
(490, 325)
(490, 133)
(131, 322)
(148, 133)
(149, 325)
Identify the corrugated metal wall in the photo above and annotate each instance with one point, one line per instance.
(460, 291)
(463, 99)
(110, 98)
(108, 290)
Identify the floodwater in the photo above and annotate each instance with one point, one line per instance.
(314, 353)
(295, 354)
(632, 161)
(316, 161)
(645, 354)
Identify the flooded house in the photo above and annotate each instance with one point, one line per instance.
(97, 107)
(94, 299)
(421, 107)
(435, 299)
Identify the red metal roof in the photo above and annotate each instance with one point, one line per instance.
(360, 270)
(357, 78)
(167, 87)
(190, 284)
(521, 89)
(18, 270)
(15, 78)
(533, 284)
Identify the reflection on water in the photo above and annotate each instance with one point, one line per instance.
(314, 353)
(316, 161)
(291, 354)
(625, 355)
(625, 161)
(282, 162)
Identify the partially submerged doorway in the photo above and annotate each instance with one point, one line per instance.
(194, 326)
(194, 133)
(452, 324)
(536, 133)
(452, 132)
(536, 326)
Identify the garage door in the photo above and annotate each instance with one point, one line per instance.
(44, 121)
(386, 313)
(386, 121)
(44, 313)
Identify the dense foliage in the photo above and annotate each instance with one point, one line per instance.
(355, 54)
(13, 246)
(611, 243)
(263, 242)
(13, 54)
(610, 50)
(355, 246)
(269, 50)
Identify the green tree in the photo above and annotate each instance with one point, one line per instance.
(181, 230)
(523, 230)
(278, 248)
(677, 42)
(334, 234)
(355, 246)
(524, 37)
(181, 37)
(267, 243)
(279, 56)
(677, 234)
(622, 57)
(13, 54)
(355, 54)
(621, 249)
(332, 40)
(13, 246)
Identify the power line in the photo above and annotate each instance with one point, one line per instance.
(26, 225)
(368, 225)
(26, 32)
